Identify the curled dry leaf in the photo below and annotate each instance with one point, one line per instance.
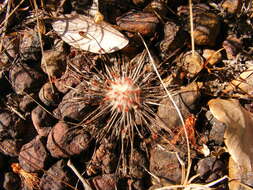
(84, 33)
(239, 132)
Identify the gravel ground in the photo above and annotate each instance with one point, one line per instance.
(86, 94)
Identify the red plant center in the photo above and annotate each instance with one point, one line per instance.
(123, 94)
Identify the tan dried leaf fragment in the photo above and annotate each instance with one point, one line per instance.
(239, 132)
(243, 85)
(84, 33)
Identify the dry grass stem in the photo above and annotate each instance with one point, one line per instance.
(41, 43)
(11, 13)
(84, 182)
(5, 24)
(177, 109)
(192, 29)
(194, 186)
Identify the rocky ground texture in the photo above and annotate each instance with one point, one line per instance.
(107, 116)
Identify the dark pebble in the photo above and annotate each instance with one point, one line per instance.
(164, 164)
(144, 23)
(105, 182)
(33, 155)
(57, 177)
(25, 79)
(42, 121)
(65, 141)
(11, 181)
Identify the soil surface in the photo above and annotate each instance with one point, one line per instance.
(82, 115)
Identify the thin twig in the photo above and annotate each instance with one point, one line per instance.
(175, 105)
(192, 30)
(84, 182)
(195, 186)
(12, 11)
(5, 24)
(41, 44)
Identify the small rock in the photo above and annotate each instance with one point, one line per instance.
(27, 103)
(53, 63)
(174, 38)
(144, 23)
(212, 56)
(12, 131)
(104, 160)
(139, 2)
(232, 45)
(157, 6)
(66, 82)
(62, 174)
(11, 126)
(105, 182)
(10, 50)
(232, 6)
(164, 164)
(42, 121)
(64, 141)
(139, 160)
(206, 29)
(10, 147)
(78, 68)
(33, 155)
(25, 79)
(210, 169)
(11, 181)
(217, 131)
(184, 100)
(30, 48)
(71, 108)
(192, 64)
(138, 176)
(49, 95)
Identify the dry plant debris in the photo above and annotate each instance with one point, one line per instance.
(237, 136)
(134, 94)
(84, 33)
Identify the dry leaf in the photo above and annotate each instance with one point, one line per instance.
(84, 33)
(239, 132)
(243, 85)
(238, 176)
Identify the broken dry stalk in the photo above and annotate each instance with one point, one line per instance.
(84, 182)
